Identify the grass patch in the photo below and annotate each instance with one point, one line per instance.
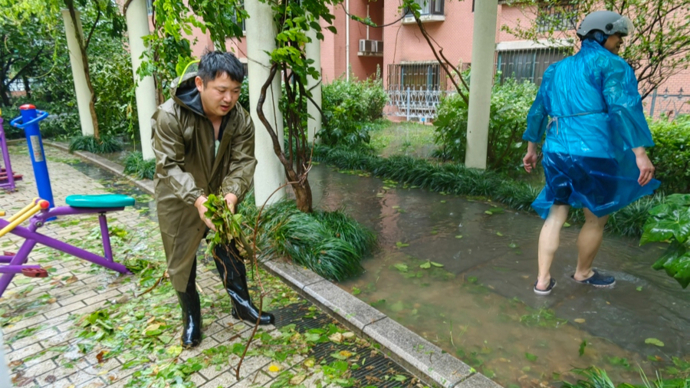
(104, 145)
(140, 168)
(329, 243)
(457, 179)
(405, 138)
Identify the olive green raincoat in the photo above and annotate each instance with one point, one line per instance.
(188, 166)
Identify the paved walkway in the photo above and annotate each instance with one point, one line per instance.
(84, 326)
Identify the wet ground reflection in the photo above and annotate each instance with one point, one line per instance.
(480, 306)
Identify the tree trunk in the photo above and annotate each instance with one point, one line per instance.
(85, 61)
(4, 94)
(27, 86)
(303, 196)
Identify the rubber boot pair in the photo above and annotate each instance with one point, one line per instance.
(233, 274)
(191, 312)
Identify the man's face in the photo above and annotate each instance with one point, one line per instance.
(218, 96)
(614, 43)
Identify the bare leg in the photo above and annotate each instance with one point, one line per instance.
(549, 239)
(588, 244)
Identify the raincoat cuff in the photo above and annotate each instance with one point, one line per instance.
(193, 196)
(526, 137)
(233, 189)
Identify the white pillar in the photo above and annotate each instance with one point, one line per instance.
(313, 50)
(269, 174)
(481, 77)
(81, 89)
(137, 28)
(347, 40)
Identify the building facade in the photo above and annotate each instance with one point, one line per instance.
(399, 53)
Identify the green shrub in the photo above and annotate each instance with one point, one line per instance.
(111, 72)
(140, 168)
(244, 94)
(104, 145)
(61, 125)
(329, 243)
(55, 126)
(671, 155)
(8, 114)
(348, 109)
(510, 103)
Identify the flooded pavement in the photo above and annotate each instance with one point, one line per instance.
(460, 273)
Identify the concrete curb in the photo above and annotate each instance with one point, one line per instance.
(419, 356)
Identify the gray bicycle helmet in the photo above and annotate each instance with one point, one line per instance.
(607, 22)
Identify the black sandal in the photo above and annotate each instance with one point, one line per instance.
(547, 291)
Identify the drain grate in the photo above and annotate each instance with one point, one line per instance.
(296, 314)
(378, 370)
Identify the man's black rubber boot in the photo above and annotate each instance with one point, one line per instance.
(233, 274)
(191, 312)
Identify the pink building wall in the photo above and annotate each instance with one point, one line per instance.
(334, 48)
(514, 15)
(403, 43)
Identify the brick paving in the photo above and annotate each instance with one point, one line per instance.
(74, 288)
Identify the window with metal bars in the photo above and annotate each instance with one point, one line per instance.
(429, 7)
(529, 64)
(426, 75)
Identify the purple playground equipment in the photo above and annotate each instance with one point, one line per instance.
(39, 213)
(42, 210)
(7, 176)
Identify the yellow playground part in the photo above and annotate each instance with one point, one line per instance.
(34, 207)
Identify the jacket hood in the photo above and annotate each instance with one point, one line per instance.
(186, 95)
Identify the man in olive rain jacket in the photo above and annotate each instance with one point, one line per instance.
(204, 144)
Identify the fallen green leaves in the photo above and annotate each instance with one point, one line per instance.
(429, 264)
(495, 210)
(401, 267)
(654, 341)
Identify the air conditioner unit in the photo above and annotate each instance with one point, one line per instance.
(370, 47)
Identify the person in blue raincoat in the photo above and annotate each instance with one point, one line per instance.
(594, 157)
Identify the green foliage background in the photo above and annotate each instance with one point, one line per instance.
(510, 102)
(52, 88)
(348, 109)
(671, 154)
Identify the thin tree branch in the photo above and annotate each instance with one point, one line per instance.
(126, 7)
(262, 117)
(93, 27)
(27, 66)
(441, 62)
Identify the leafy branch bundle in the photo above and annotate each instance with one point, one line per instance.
(670, 222)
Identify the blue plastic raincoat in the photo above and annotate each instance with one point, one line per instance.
(591, 111)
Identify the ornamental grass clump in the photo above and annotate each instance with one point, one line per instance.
(136, 165)
(329, 243)
(102, 145)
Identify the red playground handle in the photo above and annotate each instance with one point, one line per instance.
(35, 272)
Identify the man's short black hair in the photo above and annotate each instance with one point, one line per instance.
(215, 63)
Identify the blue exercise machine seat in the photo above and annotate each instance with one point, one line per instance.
(100, 200)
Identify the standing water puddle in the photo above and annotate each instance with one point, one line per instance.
(460, 273)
